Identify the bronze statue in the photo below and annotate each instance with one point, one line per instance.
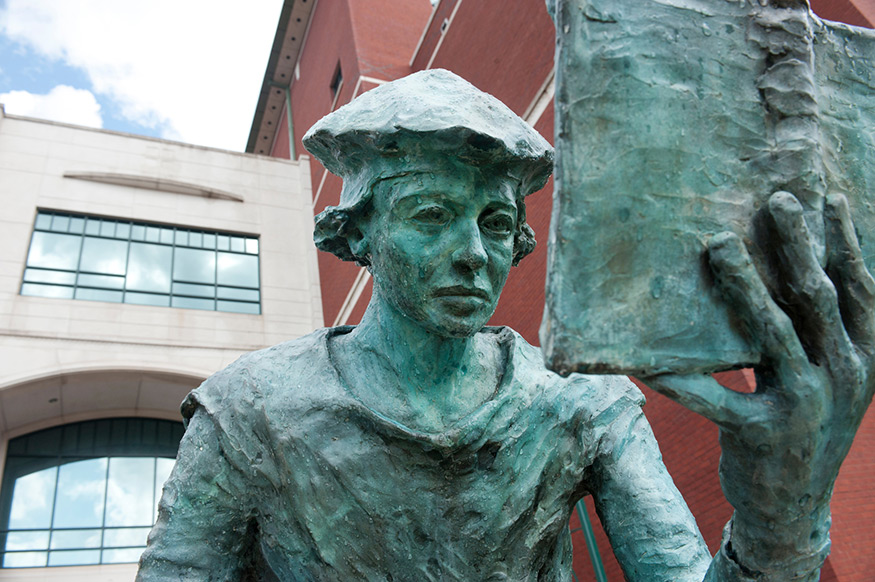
(421, 445)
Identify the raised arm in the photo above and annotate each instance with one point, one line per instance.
(783, 445)
(201, 533)
(651, 530)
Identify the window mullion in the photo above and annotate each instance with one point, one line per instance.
(258, 265)
(127, 263)
(154, 487)
(172, 268)
(79, 261)
(54, 506)
(215, 279)
(103, 522)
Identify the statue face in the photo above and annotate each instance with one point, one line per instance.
(441, 245)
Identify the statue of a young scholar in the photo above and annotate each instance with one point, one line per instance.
(421, 445)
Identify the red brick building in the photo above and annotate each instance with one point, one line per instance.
(327, 52)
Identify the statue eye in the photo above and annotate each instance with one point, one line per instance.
(498, 223)
(432, 215)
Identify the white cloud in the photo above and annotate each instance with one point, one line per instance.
(192, 69)
(31, 500)
(62, 103)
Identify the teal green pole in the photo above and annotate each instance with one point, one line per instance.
(592, 547)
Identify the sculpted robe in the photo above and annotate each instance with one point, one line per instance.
(284, 475)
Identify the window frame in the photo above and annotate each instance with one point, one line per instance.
(59, 446)
(181, 292)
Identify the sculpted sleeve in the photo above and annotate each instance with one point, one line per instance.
(652, 532)
(202, 530)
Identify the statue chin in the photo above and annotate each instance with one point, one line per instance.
(457, 327)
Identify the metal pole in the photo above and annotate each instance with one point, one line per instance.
(591, 546)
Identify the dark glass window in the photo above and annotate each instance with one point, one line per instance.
(84, 493)
(103, 259)
(337, 79)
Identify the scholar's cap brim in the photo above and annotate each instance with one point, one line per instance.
(424, 112)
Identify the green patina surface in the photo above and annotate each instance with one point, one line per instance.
(421, 445)
(676, 120)
(710, 155)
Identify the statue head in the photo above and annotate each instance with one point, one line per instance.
(435, 173)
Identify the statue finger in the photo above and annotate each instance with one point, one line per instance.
(703, 395)
(808, 292)
(766, 326)
(854, 283)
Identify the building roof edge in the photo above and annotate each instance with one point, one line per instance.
(267, 82)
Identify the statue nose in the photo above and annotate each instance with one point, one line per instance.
(471, 253)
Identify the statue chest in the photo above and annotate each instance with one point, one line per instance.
(464, 504)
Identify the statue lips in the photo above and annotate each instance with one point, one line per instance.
(463, 300)
(462, 291)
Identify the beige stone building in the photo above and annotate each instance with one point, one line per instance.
(131, 269)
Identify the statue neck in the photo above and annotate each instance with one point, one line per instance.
(415, 352)
(418, 378)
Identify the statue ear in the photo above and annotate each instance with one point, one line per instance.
(357, 240)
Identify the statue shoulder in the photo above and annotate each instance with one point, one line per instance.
(255, 376)
(594, 393)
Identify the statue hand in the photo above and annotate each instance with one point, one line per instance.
(782, 446)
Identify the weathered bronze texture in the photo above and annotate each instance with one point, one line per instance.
(421, 445)
(676, 121)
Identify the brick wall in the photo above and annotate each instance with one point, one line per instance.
(509, 54)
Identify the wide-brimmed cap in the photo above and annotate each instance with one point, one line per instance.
(429, 112)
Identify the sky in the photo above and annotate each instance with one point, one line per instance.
(185, 70)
